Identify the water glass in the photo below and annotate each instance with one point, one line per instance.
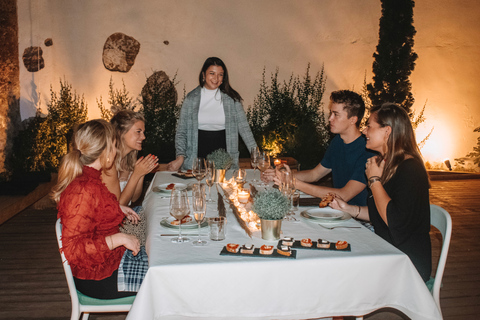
(218, 227)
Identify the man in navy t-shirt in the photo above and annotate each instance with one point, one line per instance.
(346, 155)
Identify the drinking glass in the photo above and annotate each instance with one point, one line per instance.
(287, 187)
(263, 163)
(199, 169)
(179, 208)
(210, 178)
(254, 153)
(199, 205)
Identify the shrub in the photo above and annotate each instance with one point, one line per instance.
(118, 100)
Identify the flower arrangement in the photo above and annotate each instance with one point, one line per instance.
(221, 158)
(271, 204)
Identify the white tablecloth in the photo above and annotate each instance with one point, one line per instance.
(185, 282)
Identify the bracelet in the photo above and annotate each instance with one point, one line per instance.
(372, 180)
(359, 209)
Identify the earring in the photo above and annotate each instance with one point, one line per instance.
(108, 160)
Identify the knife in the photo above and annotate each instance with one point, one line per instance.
(183, 234)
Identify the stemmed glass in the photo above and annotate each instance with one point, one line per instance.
(288, 188)
(210, 178)
(254, 153)
(179, 208)
(199, 204)
(263, 163)
(199, 169)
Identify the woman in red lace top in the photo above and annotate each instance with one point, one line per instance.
(91, 214)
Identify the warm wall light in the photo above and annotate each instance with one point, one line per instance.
(447, 163)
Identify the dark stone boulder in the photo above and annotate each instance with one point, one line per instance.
(33, 59)
(119, 52)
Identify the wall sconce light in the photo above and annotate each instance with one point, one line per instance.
(447, 163)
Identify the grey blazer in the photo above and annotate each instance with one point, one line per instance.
(186, 137)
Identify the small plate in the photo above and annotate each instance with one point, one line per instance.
(167, 223)
(324, 213)
(163, 187)
(305, 216)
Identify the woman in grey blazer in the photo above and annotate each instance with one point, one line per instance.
(212, 117)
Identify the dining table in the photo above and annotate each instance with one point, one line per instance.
(197, 282)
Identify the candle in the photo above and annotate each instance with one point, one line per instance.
(277, 162)
(243, 196)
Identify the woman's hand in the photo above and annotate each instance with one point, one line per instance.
(175, 164)
(278, 179)
(131, 215)
(373, 169)
(129, 241)
(338, 203)
(145, 165)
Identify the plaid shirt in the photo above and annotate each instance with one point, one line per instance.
(132, 270)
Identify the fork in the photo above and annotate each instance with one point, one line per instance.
(331, 228)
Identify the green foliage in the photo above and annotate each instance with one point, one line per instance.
(161, 112)
(474, 155)
(118, 100)
(287, 119)
(45, 140)
(271, 204)
(221, 159)
(394, 58)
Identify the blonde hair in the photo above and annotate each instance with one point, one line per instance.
(122, 122)
(90, 141)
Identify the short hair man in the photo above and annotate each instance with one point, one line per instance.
(346, 155)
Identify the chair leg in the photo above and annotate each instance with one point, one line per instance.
(85, 316)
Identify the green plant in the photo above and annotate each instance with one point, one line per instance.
(222, 159)
(118, 100)
(287, 119)
(271, 204)
(474, 155)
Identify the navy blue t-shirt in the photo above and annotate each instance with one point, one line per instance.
(347, 162)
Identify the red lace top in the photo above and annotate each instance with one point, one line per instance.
(89, 213)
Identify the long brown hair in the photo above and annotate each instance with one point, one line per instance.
(90, 141)
(401, 143)
(123, 121)
(225, 85)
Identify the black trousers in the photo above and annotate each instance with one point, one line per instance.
(209, 141)
(102, 289)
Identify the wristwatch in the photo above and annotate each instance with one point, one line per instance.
(372, 180)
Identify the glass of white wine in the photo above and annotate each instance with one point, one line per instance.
(199, 169)
(210, 178)
(179, 208)
(254, 153)
(263, 164)
(199, 205)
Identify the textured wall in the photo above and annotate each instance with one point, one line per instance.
(177, 36)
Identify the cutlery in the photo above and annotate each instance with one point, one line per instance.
(176, 234)
(331, 228)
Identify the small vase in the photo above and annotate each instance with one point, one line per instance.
(271, 229)
(220, 175)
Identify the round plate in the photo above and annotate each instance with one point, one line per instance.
(305, 216)
(166, 222)
(324, 213)
(163, 187)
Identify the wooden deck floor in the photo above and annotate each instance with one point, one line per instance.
(33, 286)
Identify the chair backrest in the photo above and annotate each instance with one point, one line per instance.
(68, 272)
(440, 219)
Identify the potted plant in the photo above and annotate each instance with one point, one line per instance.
(271, 206)
(222, 160)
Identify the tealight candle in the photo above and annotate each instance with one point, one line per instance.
(243, 196)
(277, 162)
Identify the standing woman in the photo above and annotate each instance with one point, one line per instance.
(211, 118)
(125, 178)
(90, 214)
(398, 202)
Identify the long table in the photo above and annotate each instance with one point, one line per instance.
(188, 282)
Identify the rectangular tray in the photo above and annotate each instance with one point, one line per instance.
(256, 254)
(297, 245)
(182, 176)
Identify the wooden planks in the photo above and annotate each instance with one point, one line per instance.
(33, 286)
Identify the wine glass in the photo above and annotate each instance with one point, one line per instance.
(210, 178)
(199, 169)
(179, 208)
(263, 163)
(287, 187)
(254, 152)
(199, 204)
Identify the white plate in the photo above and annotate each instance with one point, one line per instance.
(326, 213)
(167, 223)
(305, 216)
(163, 187)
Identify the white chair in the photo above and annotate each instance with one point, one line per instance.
(440, 219)
(85, 304)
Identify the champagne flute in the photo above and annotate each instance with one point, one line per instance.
(199, 169)
(210, 178)
(287, 189)
(179, 208)
(199, 204)
(254, 152)
(263, 164)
